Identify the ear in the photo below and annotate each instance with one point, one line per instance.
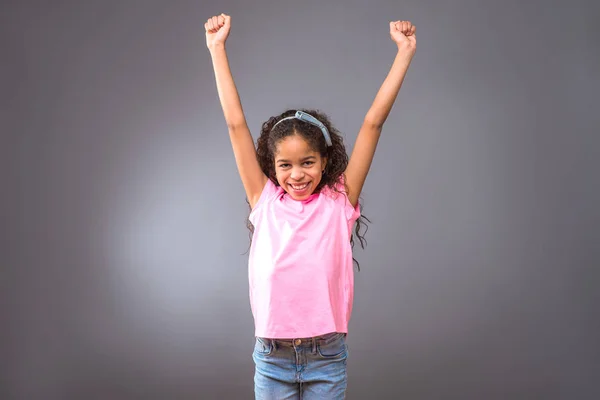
(324, 162)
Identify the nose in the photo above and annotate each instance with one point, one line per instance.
(297, 174)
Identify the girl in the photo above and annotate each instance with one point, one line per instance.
(304, 198)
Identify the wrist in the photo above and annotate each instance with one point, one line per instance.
(405, 54)
(216, 47)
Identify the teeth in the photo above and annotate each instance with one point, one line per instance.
(299, 187)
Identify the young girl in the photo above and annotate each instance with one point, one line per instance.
(304, 198)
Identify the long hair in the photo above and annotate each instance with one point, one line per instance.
(337, 157)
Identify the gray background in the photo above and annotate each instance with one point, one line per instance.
(123, 238)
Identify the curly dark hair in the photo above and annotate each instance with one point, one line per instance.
(337, 158)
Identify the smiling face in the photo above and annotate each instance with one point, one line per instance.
(298, 167)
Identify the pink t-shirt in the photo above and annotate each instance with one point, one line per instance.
(300, 266)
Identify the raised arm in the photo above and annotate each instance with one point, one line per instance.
(403, 34)
(217, 30)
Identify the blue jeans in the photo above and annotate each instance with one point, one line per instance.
(312, 368)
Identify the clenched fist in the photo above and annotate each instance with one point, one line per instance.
(403, 34)
(217, 29)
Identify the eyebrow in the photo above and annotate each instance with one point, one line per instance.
(304, 159)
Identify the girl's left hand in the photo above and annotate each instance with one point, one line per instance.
(403, 34)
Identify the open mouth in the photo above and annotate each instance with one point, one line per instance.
(299, 188)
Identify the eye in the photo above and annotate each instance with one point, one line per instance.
(284, 165)
(309, 163)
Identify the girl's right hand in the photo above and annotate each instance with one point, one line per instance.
(217, 30)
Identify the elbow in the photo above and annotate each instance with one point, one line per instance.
(374, 119)
(373, 124)
(235, 126)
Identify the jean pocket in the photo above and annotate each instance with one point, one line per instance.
(333, 348)
(263, 347)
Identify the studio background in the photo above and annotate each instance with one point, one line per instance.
(123, 273)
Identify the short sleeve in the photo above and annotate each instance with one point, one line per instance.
(352, 213)
(268, 192)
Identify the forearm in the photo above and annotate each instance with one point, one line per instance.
(228, 94)
(386, 96)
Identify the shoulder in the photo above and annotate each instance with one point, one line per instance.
(339, 194)
(270, 191)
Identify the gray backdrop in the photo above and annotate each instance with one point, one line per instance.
(123, 217)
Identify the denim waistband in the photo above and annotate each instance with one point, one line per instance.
(305, 342)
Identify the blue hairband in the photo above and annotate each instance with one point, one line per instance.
(302, 116)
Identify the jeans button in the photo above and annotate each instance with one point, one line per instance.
(298, 342)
